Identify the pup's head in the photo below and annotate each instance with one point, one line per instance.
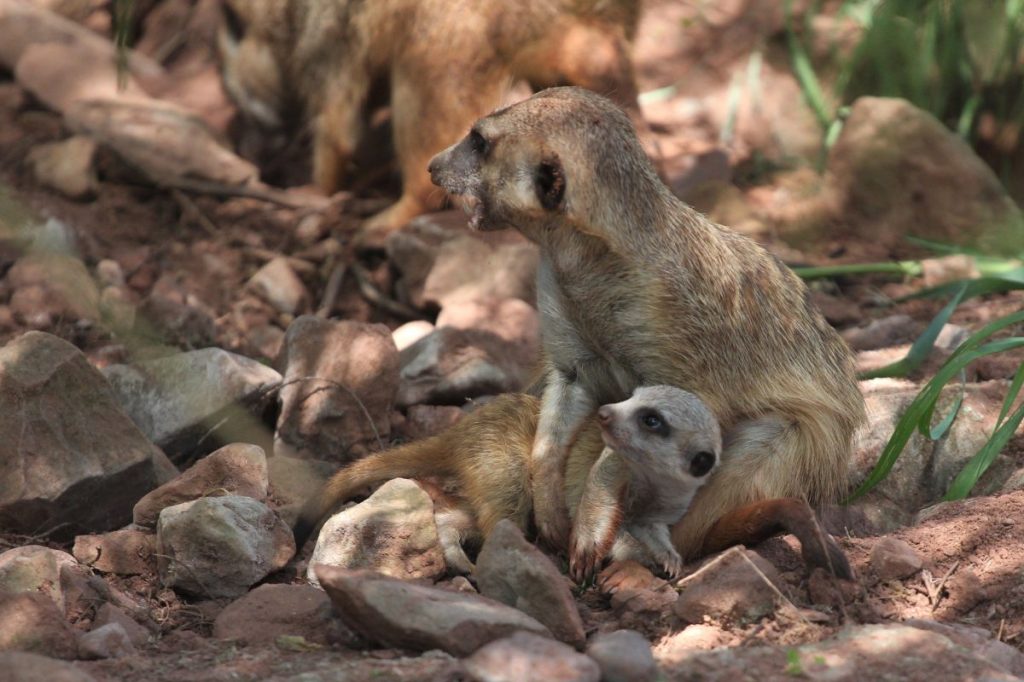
(663, 429)
(566, 155)
(250, 68)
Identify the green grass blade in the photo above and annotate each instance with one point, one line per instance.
(923, 404)
(906, 268)
(940, 429)
(804, 72)
(922, 346)
(1011, 395)
(981, 461)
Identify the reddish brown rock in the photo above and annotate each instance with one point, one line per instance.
(270, 611)
(125, 552)
(892, 559)
(731, 588)
(525, 656)
(235, 469)
(412, 616)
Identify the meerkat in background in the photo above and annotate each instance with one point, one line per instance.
(447, 62)
(635, 287)
(658, 448)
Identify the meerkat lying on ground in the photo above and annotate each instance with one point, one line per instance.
(660, 445)
(635, 287)
(446, 63)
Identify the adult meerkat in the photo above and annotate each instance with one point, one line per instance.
(659, 447)
(447, 63)
(635, 287)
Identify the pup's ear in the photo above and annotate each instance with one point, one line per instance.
(550, 183)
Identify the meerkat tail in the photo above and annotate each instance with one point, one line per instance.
(430, 456)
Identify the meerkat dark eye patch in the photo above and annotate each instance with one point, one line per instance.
(233, 23)
(651, 421)
(478, 143)
(550, 184)
(702, 463)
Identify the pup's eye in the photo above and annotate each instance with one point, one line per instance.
(478, 144)
(652, 421)
(702, 463)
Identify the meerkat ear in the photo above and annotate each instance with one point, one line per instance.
(550, 185)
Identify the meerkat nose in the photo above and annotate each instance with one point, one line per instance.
(605, 414)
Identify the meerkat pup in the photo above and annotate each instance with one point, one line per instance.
(446, 63)
(635, 287)
(659, 447)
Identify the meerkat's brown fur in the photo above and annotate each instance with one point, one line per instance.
(634, 288)
(447, 62)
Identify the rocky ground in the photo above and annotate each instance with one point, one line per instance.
(179, 370)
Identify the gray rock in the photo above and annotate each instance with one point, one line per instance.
(126, 552)
(892, 559)
(925, 470)
(525, 656)
(730, 589)
(279, 286)
(108, 613)
(31, 622)
(450, 365)
(107, 641)
(271, 611)
(624, 656)
(896, 170)
(19, 666)
(79, 462)
(66, 166)
(235, 469)
(391, 532)
(220, 546)
(340, 384)
(978, 640)
(294, 480)
(178, 399)
(882, 333)
(411, 616)
(511, 570)
(34, 568)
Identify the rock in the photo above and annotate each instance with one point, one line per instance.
(936, 271)
(896, 170)
(270, 611)
(510, 319)
(20, 666)
(220, 546)
(893, 559)
(925, 470)
(730, 589)
(406, 615)
(117, 309)
(978, 640)
(107, 641)
(31, 622)
(411, 332)
(108, 613)
(468, 268)
(49, 286)
(864, 652)
(511, 570)
(278, 284)
(79, 462)
(624, 656)
(391, 532)
(340, 384)
(450, 365)
(66, 166)
(124, 552)
(525, 656)
(697, 637)
(235, 469)
(882, 333)
(34, 568)
(177, 399)
(109, 273)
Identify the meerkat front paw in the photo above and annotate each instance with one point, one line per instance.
(549, 511)
(585, 558)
